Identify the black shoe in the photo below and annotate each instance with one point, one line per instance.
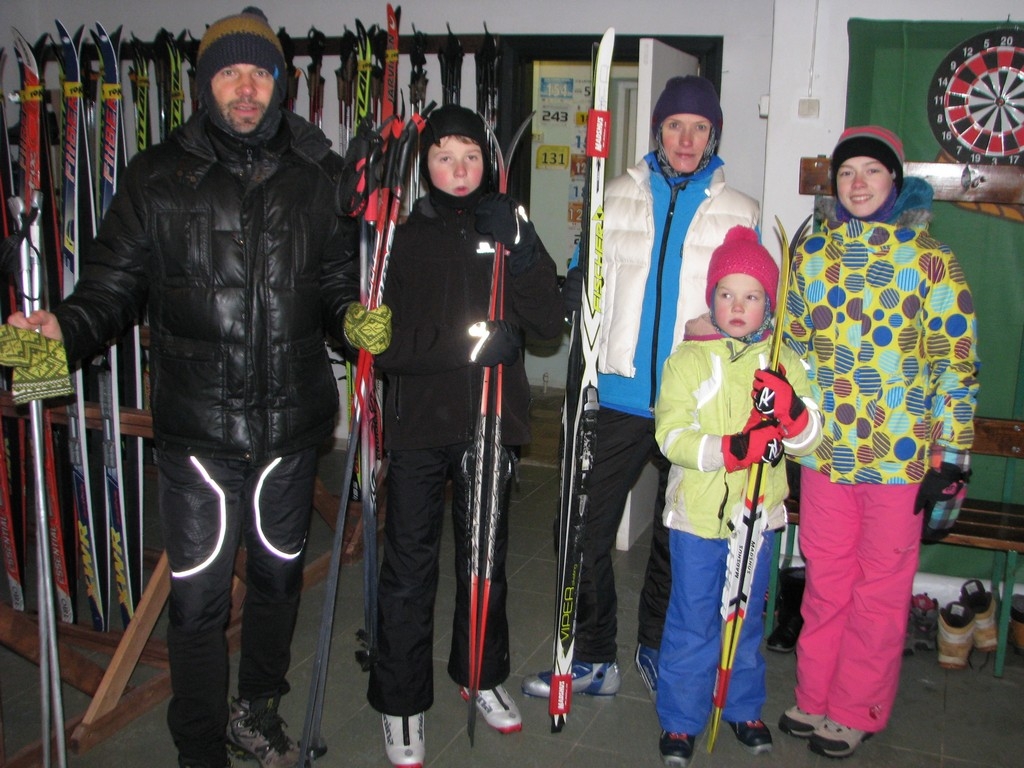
(783, 638)
(676, 749)
(754, 735)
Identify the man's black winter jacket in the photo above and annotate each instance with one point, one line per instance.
(244, 266)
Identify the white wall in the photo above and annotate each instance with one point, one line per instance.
(810, 58)
(746, 25)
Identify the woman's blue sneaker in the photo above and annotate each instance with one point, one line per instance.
(588, 679)
(647, 665)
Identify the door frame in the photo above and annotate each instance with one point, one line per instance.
(519, 52)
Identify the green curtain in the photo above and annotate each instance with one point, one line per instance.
(892, 64)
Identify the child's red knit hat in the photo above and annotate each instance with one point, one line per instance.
(741, 254)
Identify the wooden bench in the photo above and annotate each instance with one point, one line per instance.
(997, 526)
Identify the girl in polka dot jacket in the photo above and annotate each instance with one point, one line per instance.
(883, 315)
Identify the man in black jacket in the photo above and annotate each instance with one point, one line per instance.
(228, 232)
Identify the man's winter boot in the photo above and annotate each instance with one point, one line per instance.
(1017, 622)
(789, 621)
(956, 635)
(986, 634)
(256, 730)
(922, 625)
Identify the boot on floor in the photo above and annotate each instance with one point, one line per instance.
(956, 635)
(789, 621)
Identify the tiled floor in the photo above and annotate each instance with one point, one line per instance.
(948, 719)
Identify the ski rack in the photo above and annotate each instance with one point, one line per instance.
(115, 700)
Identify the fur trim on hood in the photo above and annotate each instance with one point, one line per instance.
(913, 206)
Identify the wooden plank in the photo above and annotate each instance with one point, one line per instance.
(951, 181)
(998, 437)
(20, 633)
(132, 705)
(134, 422)
(124, 661)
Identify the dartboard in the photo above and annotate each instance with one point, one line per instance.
(976, 98)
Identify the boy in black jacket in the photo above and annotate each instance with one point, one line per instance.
(438, 287)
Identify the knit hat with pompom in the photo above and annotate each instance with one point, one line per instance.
(741, 254)
(245, 38)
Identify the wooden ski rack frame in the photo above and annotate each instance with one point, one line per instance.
(955, 182)
(115, 702)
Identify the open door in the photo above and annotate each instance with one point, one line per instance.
(561, 95)
(657, 63)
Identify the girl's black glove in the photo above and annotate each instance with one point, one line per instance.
(939, 498)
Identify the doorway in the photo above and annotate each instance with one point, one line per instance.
(549, 175)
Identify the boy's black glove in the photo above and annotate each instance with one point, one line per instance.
(572, 291)
(498, 343)
(501, 217)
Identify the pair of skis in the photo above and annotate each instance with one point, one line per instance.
(37, 194)
(126, 550)
(52, 584)
(379, 222)
(78, 214)
(745, 541)
(579, 412)
(382, 209)
(13, 513)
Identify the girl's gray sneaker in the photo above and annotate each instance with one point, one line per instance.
(833, 739)
(798, 723)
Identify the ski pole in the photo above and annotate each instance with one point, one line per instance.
(311, 745)
(490, 462)
(52, 709)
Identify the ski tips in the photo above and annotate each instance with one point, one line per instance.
(789, 246)
(66, 38)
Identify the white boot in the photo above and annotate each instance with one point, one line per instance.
(498, 709)
(404, 740)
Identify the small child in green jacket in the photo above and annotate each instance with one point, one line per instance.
(711, 431)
